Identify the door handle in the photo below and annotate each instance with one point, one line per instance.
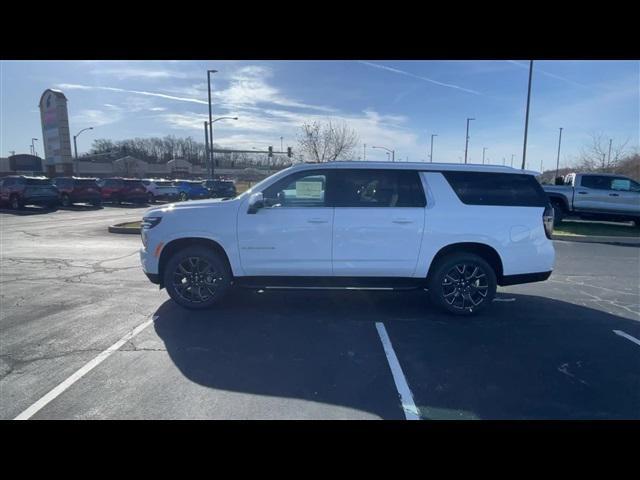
(317, 220)
(402, 220)
(614, 194)
(582, 193)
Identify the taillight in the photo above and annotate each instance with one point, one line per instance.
(547, 220)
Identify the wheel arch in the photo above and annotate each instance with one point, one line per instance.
(486, 252)
(559, 199)
(179, 243)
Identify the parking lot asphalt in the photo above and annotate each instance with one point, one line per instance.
(561, 349)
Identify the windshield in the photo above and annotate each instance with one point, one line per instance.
(39, 181)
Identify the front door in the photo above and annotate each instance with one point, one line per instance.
(378, 222)
(291, 235)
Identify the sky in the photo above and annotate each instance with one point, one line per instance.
(394, 104)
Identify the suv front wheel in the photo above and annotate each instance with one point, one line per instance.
(462, 284)
(196, 277)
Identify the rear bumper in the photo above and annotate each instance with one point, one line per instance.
(523, 278)
(153, 277)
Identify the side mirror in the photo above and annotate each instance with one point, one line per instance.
(256, 202)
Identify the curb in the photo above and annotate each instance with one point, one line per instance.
(118, 228)
(596, 239)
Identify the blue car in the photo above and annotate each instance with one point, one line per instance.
(191, 189)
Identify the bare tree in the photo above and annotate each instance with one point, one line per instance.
(595, 156)
(327, 142)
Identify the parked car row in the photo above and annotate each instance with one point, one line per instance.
(20, 190)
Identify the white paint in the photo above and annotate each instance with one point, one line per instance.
(627, 336)
(33, 409)
(406, 397)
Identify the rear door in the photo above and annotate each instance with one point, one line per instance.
(624, 196)
(378, 222)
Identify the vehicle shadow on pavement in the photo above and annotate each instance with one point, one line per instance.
(532, 358)
(81, 207)
(126, 205)
(27, 210)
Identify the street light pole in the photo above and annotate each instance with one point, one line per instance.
(610, 142)
(33, 147)
(210, 153)
(392, 152)
(431, 154)
(466, 145)
(206, 141)
(558, 159)
(281, 147)
(364, 152)
(526, 122)
(484, 149)
(512, 155)
(75, 145)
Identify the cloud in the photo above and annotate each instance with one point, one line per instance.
(131, 72)
(97, 118)
(408, 74)
(73, 86)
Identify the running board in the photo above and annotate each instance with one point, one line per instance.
(330, 283)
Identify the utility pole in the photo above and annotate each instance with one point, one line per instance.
(466, 146)
(610, 142)
(364, 152)
(206, 141)
(526, 122)
(209, 72)
(431, 154)
(484, 149)
(512, 155)
(558, 159)
(281, 147)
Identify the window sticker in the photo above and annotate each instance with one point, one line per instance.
(311, 190)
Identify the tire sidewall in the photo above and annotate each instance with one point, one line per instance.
(446, 264)
(65, 200)
(213, 258)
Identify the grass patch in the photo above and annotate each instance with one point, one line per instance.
(597, 229)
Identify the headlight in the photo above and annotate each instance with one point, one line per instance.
(150, 222)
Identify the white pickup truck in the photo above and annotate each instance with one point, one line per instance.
(596, 196)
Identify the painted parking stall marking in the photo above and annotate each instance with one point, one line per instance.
(627, 336)
(33, 409)
(406, 397)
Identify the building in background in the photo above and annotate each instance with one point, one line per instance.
(55, 133)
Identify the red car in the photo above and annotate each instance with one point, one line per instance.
(78, 190)
(120, 190)
(21, 190)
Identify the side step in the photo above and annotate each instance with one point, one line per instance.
(330, 283)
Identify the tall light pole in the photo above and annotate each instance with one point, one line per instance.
(610, 142)
(75, 145)
(526, 121)
(558, 159)
(431, 154)
(33, 147)
(484, 149)
(211, 139)
(206, 142)
(210, 153)
(466, 145)
(392, 152)
(281, 147)
(364, 152)
(512, 155)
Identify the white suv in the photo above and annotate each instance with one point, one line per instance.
(159, 189)
(455, 230)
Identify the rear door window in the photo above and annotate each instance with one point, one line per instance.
(377, 188)
(503, 189)
(598, 182)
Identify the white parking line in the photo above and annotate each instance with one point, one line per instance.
(627, 336)
(33, 409)
(406, 397)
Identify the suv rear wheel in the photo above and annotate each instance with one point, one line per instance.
(462, 284)
(196, 277)
(65, 200)
(183, 196)
(558, 212)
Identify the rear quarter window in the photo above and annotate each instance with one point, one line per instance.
(500, 189)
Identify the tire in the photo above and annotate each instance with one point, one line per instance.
(15, 202)
(65, 201)
(558, 213)
(195, 260)
(447, 271)
(636, 222)
(183, 197)
(150, 199)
